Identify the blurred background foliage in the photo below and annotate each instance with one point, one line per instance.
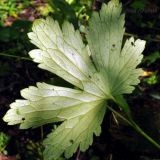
(17, 72)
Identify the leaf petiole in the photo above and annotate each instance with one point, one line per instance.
(136, 127)
(15, 56)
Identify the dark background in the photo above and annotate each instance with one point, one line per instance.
(17, 71)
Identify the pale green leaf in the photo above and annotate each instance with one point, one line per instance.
(47, 103)
(75, 132)
(100, 70)
(62, 52)
(104, 35)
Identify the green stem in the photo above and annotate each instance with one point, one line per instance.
(14, 56)
(136, 127)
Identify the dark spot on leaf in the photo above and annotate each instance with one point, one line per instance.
(23, 119)
(89, 76)
(113, 45)
(132, 43)
(71, 141)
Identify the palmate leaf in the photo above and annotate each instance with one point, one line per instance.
(104, 35)
(100, 70)
(75, 132)
(47, 103)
